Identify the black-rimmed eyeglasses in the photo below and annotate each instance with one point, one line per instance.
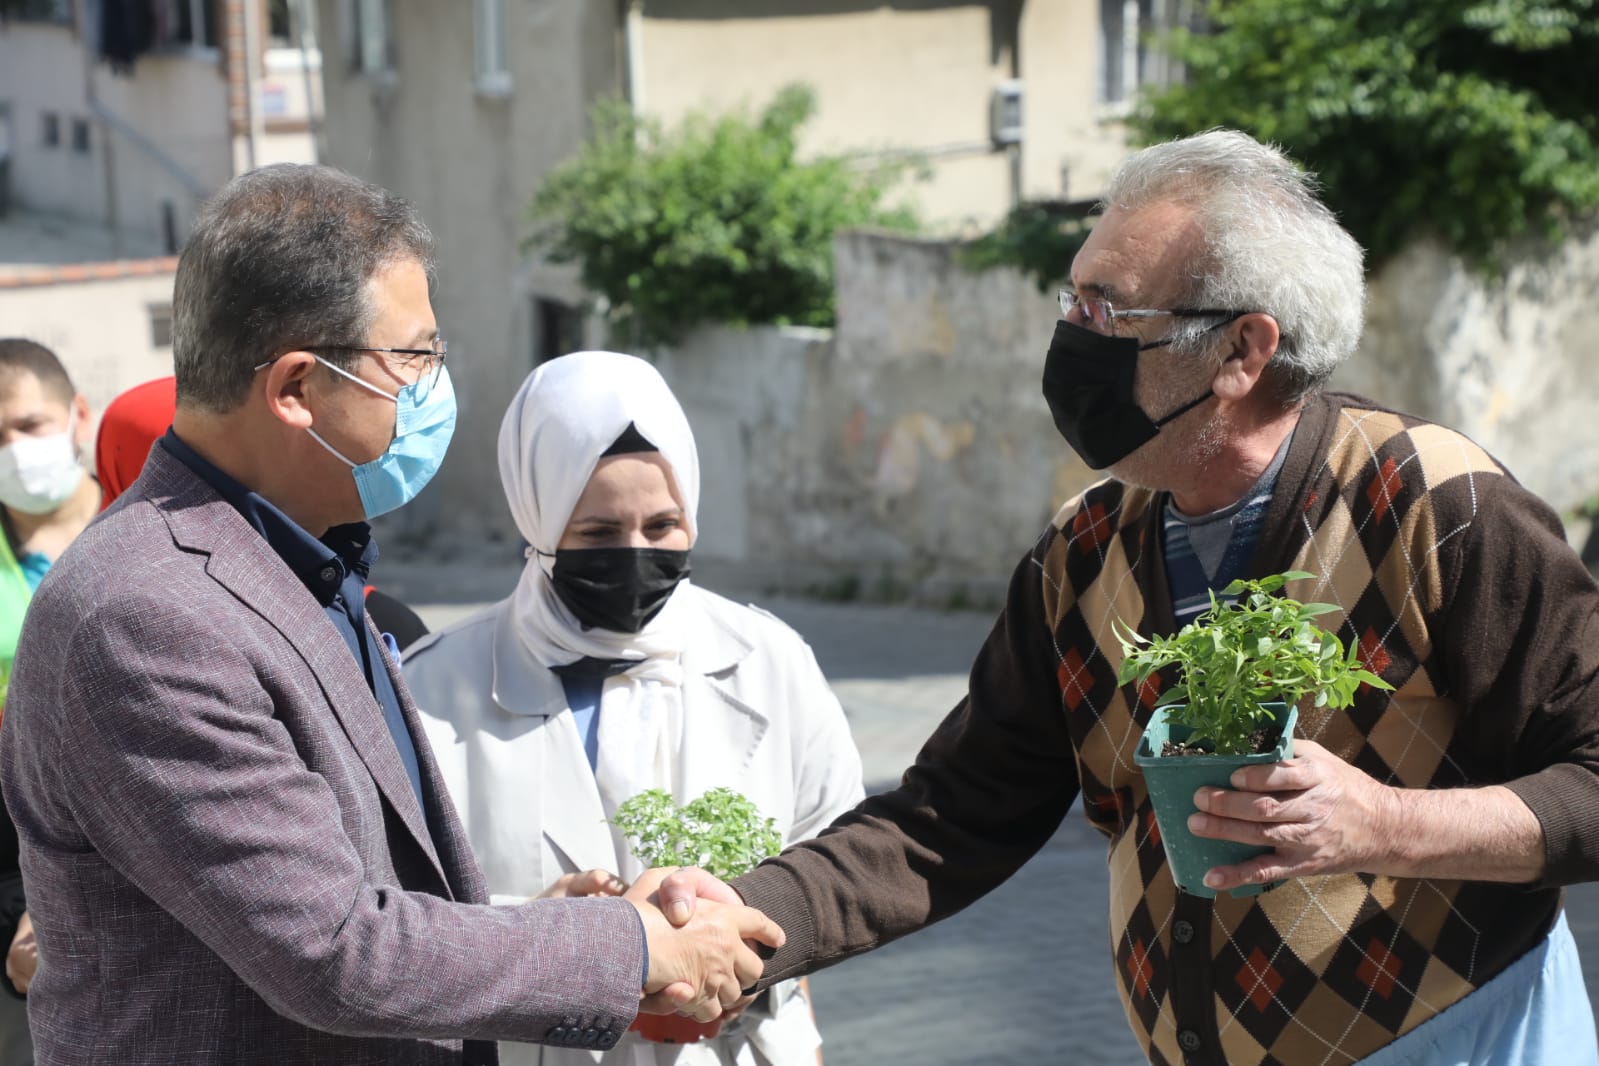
(431, 360)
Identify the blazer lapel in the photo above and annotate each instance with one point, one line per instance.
(441, 833)
(723, 730)
(243, 563)
(567, 801)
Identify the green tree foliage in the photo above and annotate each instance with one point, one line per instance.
(1472, 121)
(1036, 239)
(716, 220)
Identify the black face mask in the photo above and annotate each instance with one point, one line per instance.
(1088, 384)
(619, 589)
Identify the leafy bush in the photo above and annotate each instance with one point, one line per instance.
(1237, 656)
(715, 221)
(1036, 239)
(1471, 121)
(722, 831)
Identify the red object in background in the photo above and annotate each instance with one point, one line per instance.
(132, 423)
(674, 1028)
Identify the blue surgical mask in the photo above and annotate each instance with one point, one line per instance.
(422, 431)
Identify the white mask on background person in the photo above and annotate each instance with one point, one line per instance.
(39, 474)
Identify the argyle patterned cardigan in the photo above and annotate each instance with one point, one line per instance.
(1458, 588)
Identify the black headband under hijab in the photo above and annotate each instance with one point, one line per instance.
(631, 442)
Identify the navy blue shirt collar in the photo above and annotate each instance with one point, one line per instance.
(323, 565)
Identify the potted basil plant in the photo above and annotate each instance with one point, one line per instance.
(723, 833)
(1242, 667)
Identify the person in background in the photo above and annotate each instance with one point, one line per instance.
(136, 419)
(46, 500)
(133, 421)
(606, 672)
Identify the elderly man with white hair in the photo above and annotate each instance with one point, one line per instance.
(1423, 835)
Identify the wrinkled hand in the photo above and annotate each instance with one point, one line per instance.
(22, 960)
(1320, 814)
(701, 967)
(588, 883)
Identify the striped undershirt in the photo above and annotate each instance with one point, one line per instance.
(1205, 553)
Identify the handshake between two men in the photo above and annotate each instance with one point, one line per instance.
(701, 940)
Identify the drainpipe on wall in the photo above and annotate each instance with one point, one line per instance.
(633, 47)
(302, 18)
(254, 57)
(112, 218)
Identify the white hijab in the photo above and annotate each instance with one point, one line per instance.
(565, 416)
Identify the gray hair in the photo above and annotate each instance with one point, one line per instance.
(280, 259)
(1270, 245)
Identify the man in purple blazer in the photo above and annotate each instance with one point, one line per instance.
(235, 849)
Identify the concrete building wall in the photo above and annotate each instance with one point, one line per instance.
(470, 160)
(1073, 141)
(97, 318)
(916, 76)
(176, 102)
(910, 451)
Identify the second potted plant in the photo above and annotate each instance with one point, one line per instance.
(723, 833)
(1242, 667)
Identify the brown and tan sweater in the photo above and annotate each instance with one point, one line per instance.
(1459, 589)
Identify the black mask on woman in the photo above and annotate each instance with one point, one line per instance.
(619, 589)
(1088, 384)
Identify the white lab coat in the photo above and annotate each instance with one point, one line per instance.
(758, 717)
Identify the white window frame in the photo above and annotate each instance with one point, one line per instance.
(492, 75)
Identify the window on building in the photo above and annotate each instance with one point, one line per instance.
(39, 10)
(557, 329)
(80, 136)
(50, 129)
(160, 325)
(194, 24)
(1128, 58)
(280, 24)
(372, 36)
(493, 75)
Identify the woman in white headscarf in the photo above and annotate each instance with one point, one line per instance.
(606, 673)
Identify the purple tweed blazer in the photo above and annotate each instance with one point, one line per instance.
(225, 861)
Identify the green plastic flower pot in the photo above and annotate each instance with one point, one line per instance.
(1172, 782)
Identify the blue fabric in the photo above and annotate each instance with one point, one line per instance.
(34, 566)
(1535, 1013)
(335, 570)
(583, 697)
(1190, 580)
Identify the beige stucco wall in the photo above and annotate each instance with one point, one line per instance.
(1073, 143)
(904, 77)
(177, 102)
(908, 452)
